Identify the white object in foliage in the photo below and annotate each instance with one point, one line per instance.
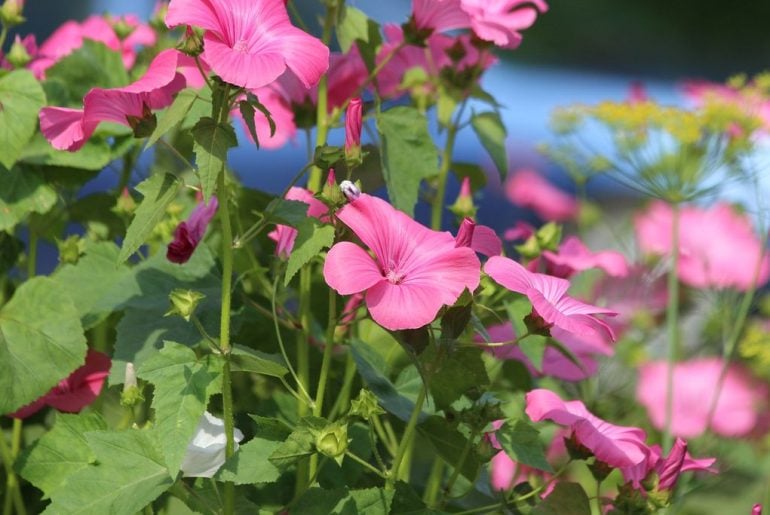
(206, 451)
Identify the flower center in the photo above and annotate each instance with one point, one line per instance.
(241, 45)
(394, 276)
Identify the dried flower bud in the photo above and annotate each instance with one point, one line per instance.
(350, 190)
(366, 405)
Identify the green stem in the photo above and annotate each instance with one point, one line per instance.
(224, 333)
(433, 486)
(322, 107)
(3, 34)
(366, 464)
(347, 384)
(672, 323)
(327, 357)
(12, 495)
(437, 208)
(281, 345)
(458, 466)
(305, 470)
(406, 438)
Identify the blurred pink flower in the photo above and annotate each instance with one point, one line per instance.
(69, 129)
(637, 93)
(751, 100)
(415, 271)
(668, 469)
(500, 21)
(718, 246)
(278, 106)
(189, 233)
(528, 189)
(756, 509)
(737, 406)
(284, 235)
(617, 446)
(250, 43)
(549, 299)
(75, 392)
(574, 256)
(439, 15)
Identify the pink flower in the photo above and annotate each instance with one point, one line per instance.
(284, 235)
(752, 100)
(415, 271)
(756, 509)
(439, 15)
(574, 256)
(528, 189)
(353, 121)
(617, 446)
(555, 364)
(737, 404)
(718, 247)
(637, 93)
(669, 468)
(480, 238)
(500, 21)
(69, 129)
(189, 233)
(75, 392)
(277, 105)
(250, 43)
(549, 299)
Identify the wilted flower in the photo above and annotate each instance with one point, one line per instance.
(189, 233)
(206, 451)
(415, 270)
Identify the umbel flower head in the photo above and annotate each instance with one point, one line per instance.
(250, 43)
(414, 272)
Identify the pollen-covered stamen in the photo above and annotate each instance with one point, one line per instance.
(242, 45)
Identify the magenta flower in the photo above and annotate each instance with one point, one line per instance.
(284, 235)
(617, 446)
(738, 402)
(69, 129)
(574, 256)
(75, 392)
(718, 247)
(480, 238)
(500, 21)
(528, 189)
(668, 469)
(549, 299)
(439, 15)
(189, 233)
(353, 121)
(756, 509)
(250, 43)
(415, 271)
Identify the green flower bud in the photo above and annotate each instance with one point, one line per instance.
(10, 13)
(184, 302)
(332, 441)
(366, 405)
(548, 236)
(18, 55)
(192, 43)
(71, 249)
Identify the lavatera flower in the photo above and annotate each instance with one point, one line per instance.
(206, 451)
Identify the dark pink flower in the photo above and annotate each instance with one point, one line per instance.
(756, 509)
(549, 299)
(439, 15)
(284, 235)
(738, 402)
(528, 189)
(480, 238)
(574, 256)
(617, 446)
(718, 247)
(415, 271)
(250, 43)
(75, 392)
(353, 121)
(500, 21)
(69, 129)
(189, 233)
(668, 469)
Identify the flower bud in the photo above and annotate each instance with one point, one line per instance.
(10, 13)
(71, 249)
(756, 509)
(192, 43)
(353, 122)
(350, 190)
(366, 405)
(122, 28)
(672, 465)
(463, 206)
(465, 233)
(184, 303)
(548, 236)
(131, 394)
(332, 441)
(125, 204)
(331, 191)
(18, 56)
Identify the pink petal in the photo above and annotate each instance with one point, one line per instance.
(348, 269)
(83, 386)
(404, 306)
(509, 273)
(527, 188)
(502, 471)
(63, 127)
(439, 15)
(486, 242)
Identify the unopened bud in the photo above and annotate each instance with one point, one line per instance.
(331, 192)
(366, 405)
(122, 28)
(125, 204)
(18, 55)
(71, 249)
(350, 190)
(353, 123)
(192, 43)
(10, 13)
(465, 233)
(184, 303)
(463, 206)
(332, 441)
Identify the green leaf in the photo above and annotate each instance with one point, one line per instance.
(564, 499)
(129, 474)
(271, 429)
(22, 192)
(353, 26)
(299, 444)
(21, 98)
(173, 115)
(522, 443)
(247, 113)
(91, 65)
(211, 141)
(183, 383)
(372, 501)
(462, 371)
(450, 443)
(244, 359)
(94, 155)
(491, 132)
(312, 238)
(41, 342)
(408, 154)
(60, 452)
(287, 212)
(250, 464)
(87, 281)
(533, 347)
(158, 191)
